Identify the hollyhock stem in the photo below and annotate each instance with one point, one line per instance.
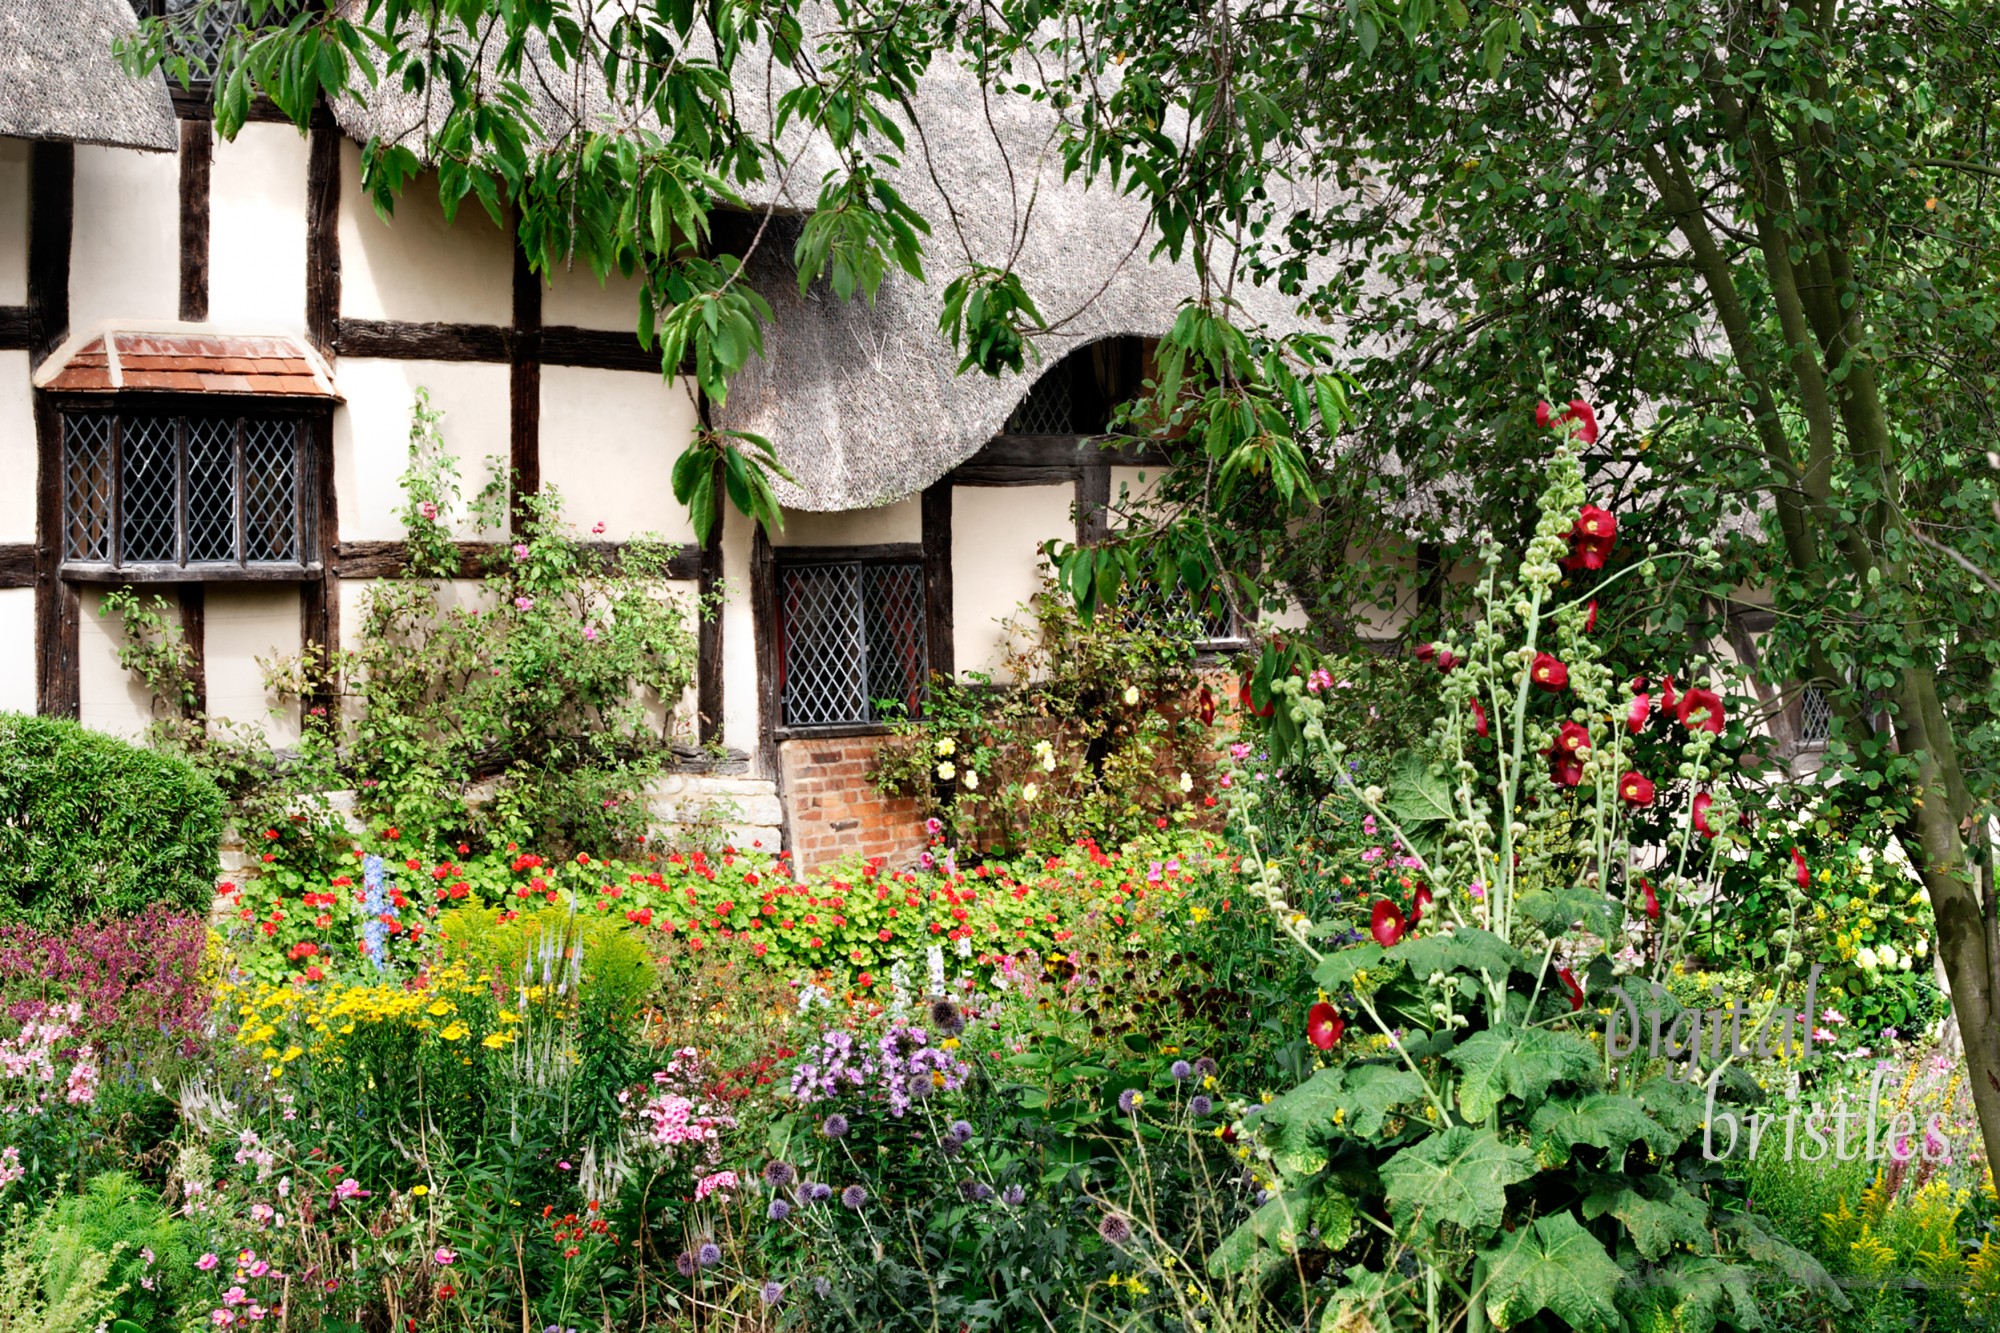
(1430, 1093)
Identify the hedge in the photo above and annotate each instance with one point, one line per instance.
(93, 826)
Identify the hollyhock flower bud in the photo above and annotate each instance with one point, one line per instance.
(1478, 719)
(1799, 870)
(1590, 617)
(1652, 899)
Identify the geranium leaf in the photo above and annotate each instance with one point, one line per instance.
(1458, 1176)
(1524, 1063)
(1552, 1264)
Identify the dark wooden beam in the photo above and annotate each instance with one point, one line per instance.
(1014, 474)
(58, 606)
(1061, 451)
(596, 349)
(319, 599)
(524, 390)
(885, 553)
(196, 104)
(936, 544)
(764, 615)
(401, 340)
(708, 633)
(197, 160)
(118, 576)
(17, 329)
(17, 564)
(1093, 504)
(194, 633)
(389, 560)
(51, 200)
(323, 239)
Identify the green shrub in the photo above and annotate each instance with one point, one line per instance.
(92, 826)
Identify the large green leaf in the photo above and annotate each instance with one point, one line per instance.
(1677, 1105)
(1336, 971)
(1551, 1264)
(1656, 1211)
(1418, 797)
(1353, 1100)
(1278, 1224)
(1559, 911)
(1776, 1254)
(1692, 1290)
(1458, 1176)
(1523, 1063)
(1607, 1120)
(1466, 949)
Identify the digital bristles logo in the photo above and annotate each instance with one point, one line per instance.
(1694, 1039)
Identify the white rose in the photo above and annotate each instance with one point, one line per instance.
(1187, 783)
(1048, 761)
(1886, 955)
(947, 746)
(1030, 791)
(1131, 695)
(947, 772)
(971, 780)
(1923, 947)
(1866, 957)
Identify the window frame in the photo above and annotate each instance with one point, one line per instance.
(785, 559)
(309, 418)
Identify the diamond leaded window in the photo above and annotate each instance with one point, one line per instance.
(851, 641)
(207, 494)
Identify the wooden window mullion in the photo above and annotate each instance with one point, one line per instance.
(240, 482)
(116, 488)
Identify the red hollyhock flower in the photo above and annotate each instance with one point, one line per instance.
(1420, 903)
(1567, 771)
(1652, 899)
(1385, 922)
(1573, 738)
(1799, 869)
(1568, 980)
(1578, 411)
(1635, 716)
(1590, 617)
(1424, 652)
(1668, 699)
(1248, 700)
(1635, 789)
(1478, 719)
(1324, 1025)
(1596, 525)
(1700, 710)
(1447, 661)
(1548, 673)
(1205, 706)
(1701, 824)
(1544, 415)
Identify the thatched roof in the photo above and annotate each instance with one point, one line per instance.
(863, 403)
(60, 80)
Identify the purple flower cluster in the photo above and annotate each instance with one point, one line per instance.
(137, 974)
(904, 1068)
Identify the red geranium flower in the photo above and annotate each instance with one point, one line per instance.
(1573, 738)
(1701, 824)
(1700, 710)
(1385, 922)
(1568, 980)
(1652, 899)
(1478, 719)
(1548, 673)
(1635, 789)
(1799, 869)
(1567, 771)
(1324, 1025)
(1635, 716)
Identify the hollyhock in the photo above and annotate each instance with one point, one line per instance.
(1567, 771)
(1799, 870)
(1700, 710)
(1590, 617)
(1478, 719)
(1447, 661)
(1245, 697)
(1205, 707)
(1324, 1025)
(1569, 982)
(1420, 903)
(1385, 922)
(1701, 824)
(1578, 411)
(1426, 651)
(1573, 738)
(1652, 899)
(1635, 789)
(1635, 716)
(1548, 672)
(1669, 701)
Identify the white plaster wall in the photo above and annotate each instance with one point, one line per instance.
(17, 650)
(257, 228)
(995, 563)
(17, 450)
(1132, 484)
(609, 439)
(354, 595)
(415, 265)
(242, 624)
(1374, 620)
(576, 297)
(125, 242)
(112, 699)
(14, 221)
(902, 521)
(371, 437)
(739, 641)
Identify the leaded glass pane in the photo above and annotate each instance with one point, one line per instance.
(825, 659)
(892, 600)
(147, 497)
(87, 487)
(211, 489)
(270, 490)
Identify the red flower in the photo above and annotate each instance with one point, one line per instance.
(1548, 673)
(1577, 411)
(1701, 824)
(1652, 899)
(1385, 922)
(1597, 525)
(1567, 771)
(1635, 789)
(1248, 700)
(1568, 980)
(1590, 617)
(1205, 706)
(1324, 1025)
(1478, 719)
(1668, 699)
(1447, 661)
(1426, 651)
(1700, 710)
(1635, 717)
(1573, 738)
(1799, 869)
(1420, 903)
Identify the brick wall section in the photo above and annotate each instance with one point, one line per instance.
(836, 811)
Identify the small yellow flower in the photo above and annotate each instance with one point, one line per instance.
(456, 1032)
(420, 1190)
(439, 1009)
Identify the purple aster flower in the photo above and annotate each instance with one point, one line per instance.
(779, 1174)
(1115, 1229)
(779, 1210)
(853, 1197)
(771, 1293)
(1181, 1070)
(709, 1255)
(834, 1126)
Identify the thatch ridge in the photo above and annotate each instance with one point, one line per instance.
(61, 81)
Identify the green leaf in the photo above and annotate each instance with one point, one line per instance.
(1523, 1063)
(1458, 1176)
(1559, 911)
(1552, 1264)
(1467, 949)
(1416, 795)
(1781, 1255)
(1334, 973)
(1351, 1101)
(1607, 1120)
(1656, 1211)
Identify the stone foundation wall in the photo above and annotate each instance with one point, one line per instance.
(836, 811)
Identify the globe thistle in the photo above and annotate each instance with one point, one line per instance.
(960, 1131)
(945, 1016)
(778, 1211)
(821, 1191)
(1206, 1067)
(822, 1288)
(709, 1255)
(771, 1293)
(1013, 1196)
(684, 1262)
(1200, 1105)
(1129, 1100)
(834, 1126)
(1181, 1070)
(779, 1174)
(975, 1191)
(1115, 1229)
(853, 1197)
